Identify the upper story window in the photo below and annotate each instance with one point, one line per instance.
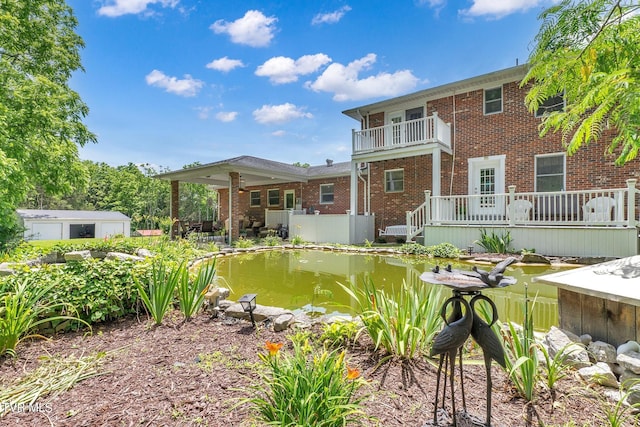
(394, 180)
(326, 193)
(555, 103)
(414, 113)
(273, 197)
(550, 172)
(493, 100)
(254, 197)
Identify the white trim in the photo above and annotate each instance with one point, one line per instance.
(476, 162)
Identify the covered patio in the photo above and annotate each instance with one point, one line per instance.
(233, 175)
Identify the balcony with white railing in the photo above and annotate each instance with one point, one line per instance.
(587, 208)
(426, 130)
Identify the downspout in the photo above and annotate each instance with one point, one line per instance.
(364, 192)
(453, 142)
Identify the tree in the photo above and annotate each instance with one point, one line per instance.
(40, 116)
(589, 51)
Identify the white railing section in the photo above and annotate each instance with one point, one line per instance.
(419, 131)
(614, 207)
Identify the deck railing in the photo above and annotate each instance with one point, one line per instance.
(403, 134)
(613, 207)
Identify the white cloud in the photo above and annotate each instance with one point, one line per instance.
(499, 9)
(227, 116)
(433, 3)
(279, 133)
(183, 87)
(114, 8)
(253, 29)
(281, 69)
(345, 84)
(268, 114)
(330, 18)
(225, 64)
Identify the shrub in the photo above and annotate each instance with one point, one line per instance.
(271, 240)
(306, 390)
(338, 334)
(243, 243)
(442, 250)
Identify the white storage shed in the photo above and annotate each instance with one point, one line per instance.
(67, 224)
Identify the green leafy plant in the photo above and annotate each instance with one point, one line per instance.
(442, 250)
(495, 243)
(158, 295)
(297, 240)
(304, 390)
(271, 240)
(403, 326)
(620, 413)
(23, 308)
(191, 292)
(339, 334)
(243, 243)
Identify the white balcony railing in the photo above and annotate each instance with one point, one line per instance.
(616, 207)
(396, 135)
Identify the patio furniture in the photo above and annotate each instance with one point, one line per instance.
(521, 210)
(599, 209)
(394, 230)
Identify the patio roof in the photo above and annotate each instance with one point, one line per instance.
(253, 171)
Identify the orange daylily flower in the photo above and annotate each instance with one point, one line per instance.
(352, 373)
(273, 347)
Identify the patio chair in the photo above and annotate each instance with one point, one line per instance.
(599, 209)
(521, 210)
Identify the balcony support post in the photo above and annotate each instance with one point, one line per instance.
(631, 202)
(510, 206)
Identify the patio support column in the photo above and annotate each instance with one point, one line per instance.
(435, 172)
(174, 209)
(510, 205)
(234, 206)
(353, 202)
(631, 202)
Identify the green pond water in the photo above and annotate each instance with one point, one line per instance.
(291, 279)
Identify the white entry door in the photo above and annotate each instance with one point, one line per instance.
(486, 179)
(397, 128)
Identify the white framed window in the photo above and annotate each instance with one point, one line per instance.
(550, 172)
(273, 197)
(493, 100)
(254, 198)
(326, 194)
(394, 181)
(555, 103)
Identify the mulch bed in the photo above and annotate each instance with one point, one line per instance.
(191, 374)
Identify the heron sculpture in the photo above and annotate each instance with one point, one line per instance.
(448, 342)
(489, 342)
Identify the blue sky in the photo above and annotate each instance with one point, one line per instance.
(172, 82)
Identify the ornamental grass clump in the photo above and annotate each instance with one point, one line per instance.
(191, 292)
(158, 295)
(403, 323)
(307, 388)
(23, 309)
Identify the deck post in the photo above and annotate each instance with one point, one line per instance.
(631, 202)
(510, 206)
(427, 207)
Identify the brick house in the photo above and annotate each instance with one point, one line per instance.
(447, 162)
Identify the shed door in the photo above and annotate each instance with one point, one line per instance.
(45, 231)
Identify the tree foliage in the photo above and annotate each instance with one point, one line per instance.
(590, 52)
(40, 116)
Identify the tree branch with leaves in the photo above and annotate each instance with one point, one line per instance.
(589, 51)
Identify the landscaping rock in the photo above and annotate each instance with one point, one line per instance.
(630, 360)
(603, 352)
(628, 346)
(282, 322)
(633, 395)
(144, 253)
(6, 269)
(123, 257)
(531, 258)
(586, 339)
(51, 258)
(558, 340)
(600, 373)
(628, 378)
(77, 256)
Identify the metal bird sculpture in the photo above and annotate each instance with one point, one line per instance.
(447, 343)
(489, 342)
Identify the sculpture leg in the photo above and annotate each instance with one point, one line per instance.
(452, 358)
(435, 407)
(487, 364)
(464, 401)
